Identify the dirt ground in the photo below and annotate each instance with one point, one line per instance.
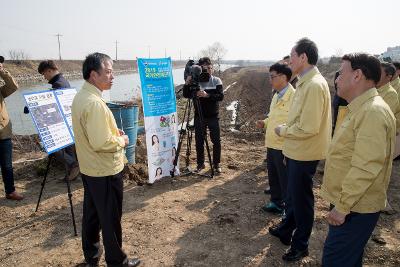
(181, 221)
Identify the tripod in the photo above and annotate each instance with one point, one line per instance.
(191, 102)
(50, 158)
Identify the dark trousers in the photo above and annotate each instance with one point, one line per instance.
(277, 176)
(102, 209)
(200, 132)
(299, 202)
(67, 157)
(344, 245)
(6, 165)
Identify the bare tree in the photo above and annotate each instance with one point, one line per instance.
(339, 52)
(215, 52)
(18, 56)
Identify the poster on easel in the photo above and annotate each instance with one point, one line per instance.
(160, 116)
(65, 98)
(51, 114)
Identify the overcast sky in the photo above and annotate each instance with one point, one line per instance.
(251, 29)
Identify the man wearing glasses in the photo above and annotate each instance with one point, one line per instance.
(280, 74)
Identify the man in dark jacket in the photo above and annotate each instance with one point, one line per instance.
(209, 96)
(51, 73)
(66, 155)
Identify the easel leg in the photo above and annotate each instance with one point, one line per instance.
(50, 157)
(71, 205)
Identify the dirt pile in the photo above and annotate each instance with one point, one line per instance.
(251, 88)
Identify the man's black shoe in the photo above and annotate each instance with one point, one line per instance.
(267, 191)
(131, 262)
(294, 254)
(272, 207)
(275, 232)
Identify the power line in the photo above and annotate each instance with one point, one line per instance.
(59, 46)
(116, 50)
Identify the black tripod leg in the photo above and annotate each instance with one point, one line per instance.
(209, 156)
(50, 157)
(188, 147)
(204, 132)
(70, 204)
(186, 117)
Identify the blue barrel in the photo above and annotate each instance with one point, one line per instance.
(126, 115)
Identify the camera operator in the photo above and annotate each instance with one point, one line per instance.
(208, 93)
(7, 172)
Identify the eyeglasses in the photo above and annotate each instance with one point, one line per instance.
(274, 76)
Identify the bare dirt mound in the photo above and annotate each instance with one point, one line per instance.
(251, 88)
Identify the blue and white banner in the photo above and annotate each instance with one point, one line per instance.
(51, 114)
(160, 117)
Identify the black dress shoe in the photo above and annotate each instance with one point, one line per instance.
(267, 191)
(131, 262)
(284, 240)
(294, 254)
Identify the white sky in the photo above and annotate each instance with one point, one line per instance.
(252, 29)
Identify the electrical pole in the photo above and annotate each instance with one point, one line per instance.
(165, 52)
(59, 46)
(149, 50)
(180, 55)
(116, 50)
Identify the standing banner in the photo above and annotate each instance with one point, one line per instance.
(51, 114)
(160, 117)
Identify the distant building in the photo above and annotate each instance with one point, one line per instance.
(392, 52)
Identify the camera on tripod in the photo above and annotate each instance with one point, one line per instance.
(199, 74)
(1, 59)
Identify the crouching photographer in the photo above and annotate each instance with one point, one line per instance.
(201, 85)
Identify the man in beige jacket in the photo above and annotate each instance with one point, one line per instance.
(100, 149)
(7, 172)
(307, 135)
(358, 164)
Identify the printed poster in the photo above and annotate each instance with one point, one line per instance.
(47, 110)
(160, 117)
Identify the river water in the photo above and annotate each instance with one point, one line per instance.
(125, 87)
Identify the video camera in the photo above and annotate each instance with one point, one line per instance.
(1, 59)
(199, 74)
